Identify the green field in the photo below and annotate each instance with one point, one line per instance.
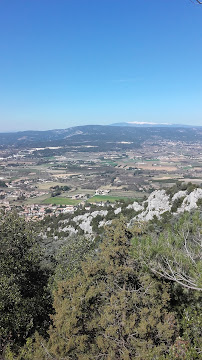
(61, 201)
(99, 198)
(109, 162)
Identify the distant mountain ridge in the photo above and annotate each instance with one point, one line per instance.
(152, 124)
(100, 137)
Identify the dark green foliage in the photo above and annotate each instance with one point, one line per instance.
(61, 188)
(3, 184)
(71, 255)
(57, 190)
(95, 223)
(177, 203)
(110, 215)
(176, 253)
(25, 302)
(199, 203)
(181, 186)
(175, 188)
(188, 345)
(124, 301)
(110, 310)
(55, 193)
(145, 205)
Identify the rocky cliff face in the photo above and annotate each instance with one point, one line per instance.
(190, 201)
(157, 204)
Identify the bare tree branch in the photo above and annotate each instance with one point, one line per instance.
(196, 2)
(167, 276)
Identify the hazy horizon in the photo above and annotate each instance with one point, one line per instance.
(93, 124)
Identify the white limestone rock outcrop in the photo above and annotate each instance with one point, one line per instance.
(83, 217)
(101, 213)
(86, 225)
(158, 203)
(104, 222)
(179, 195)
(86, 219)
(190, 201)
(135, 206)
(70, 229)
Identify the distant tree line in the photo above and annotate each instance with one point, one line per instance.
(3, 184)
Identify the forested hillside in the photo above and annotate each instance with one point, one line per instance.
(101, 138)
(131, 289)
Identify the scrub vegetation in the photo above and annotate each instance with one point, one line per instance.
(131, 293)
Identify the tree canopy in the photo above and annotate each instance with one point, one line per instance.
(109, 304)
(175, 253)
(24, 298)
(110, 310)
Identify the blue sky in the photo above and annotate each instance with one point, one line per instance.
(74, 62)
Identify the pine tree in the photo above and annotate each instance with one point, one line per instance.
(25, 302)
(111, 309)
